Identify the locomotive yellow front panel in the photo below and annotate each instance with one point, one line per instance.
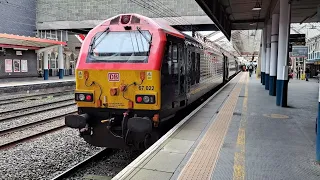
(123, 89)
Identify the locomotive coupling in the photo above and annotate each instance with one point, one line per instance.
(76, 121)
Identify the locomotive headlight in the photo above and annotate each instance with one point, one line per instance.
(81, 97)
(84, 97)
(146, 99)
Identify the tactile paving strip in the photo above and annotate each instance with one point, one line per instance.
(203, 160)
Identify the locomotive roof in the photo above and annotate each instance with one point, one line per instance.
(159, 24)
(190, 38)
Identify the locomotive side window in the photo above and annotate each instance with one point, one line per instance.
(169, 57)
(166, 63)
(175, 59)
(175, 53)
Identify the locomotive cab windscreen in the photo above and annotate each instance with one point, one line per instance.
(120, 47)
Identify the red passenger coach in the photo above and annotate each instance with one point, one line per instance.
(133, 74)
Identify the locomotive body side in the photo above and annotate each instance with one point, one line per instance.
(189, 70)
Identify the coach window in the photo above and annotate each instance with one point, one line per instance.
(198, 68)
(193, 68)
(180, 61)
(181, 68)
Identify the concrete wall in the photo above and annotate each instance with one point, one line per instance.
(18, 17)
(29, 55)
(79, 10)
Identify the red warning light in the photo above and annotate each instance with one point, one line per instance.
(125, 19)
(139, 99)
(88, 98)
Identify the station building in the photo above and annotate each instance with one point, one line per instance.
(22, 46)
(313, 59)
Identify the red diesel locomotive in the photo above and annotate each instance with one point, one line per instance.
(134, 73)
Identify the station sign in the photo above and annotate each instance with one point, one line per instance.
(299, 51)
(297, 39)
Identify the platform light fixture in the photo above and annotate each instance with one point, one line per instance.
(257, 7)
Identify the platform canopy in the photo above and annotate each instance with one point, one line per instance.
(24, 42)
(251, 14)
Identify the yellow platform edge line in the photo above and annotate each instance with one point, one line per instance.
(239, 167)
(190, 172)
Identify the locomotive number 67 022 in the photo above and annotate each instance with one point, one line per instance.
(148, 88)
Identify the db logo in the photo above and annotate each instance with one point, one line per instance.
(114, 77)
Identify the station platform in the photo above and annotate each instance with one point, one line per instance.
(10, 85)
(238, 133)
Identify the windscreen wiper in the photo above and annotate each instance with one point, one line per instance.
(149, 41)
(95, 38)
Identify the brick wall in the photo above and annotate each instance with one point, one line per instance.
(76, 10)
(18, 17)
(29, 55)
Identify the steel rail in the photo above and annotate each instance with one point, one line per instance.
(35, 112)
(73, 169)
(23, 98)
(24, 126)
(38, 105)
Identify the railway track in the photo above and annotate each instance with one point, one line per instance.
(31, 97)
(7, 132)
(83, 163)
(17, 128)
(8, 114)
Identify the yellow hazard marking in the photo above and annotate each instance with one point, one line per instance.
(203, 161)
(276, 116)
(149, 75)
(239, 170)
(80, 74)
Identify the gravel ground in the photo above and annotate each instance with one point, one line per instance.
(108, 166)
(44, 157)
(34, 102)
(31, 131)
(35, 117)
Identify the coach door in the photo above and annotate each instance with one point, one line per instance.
(178, 73)
(173, 75)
